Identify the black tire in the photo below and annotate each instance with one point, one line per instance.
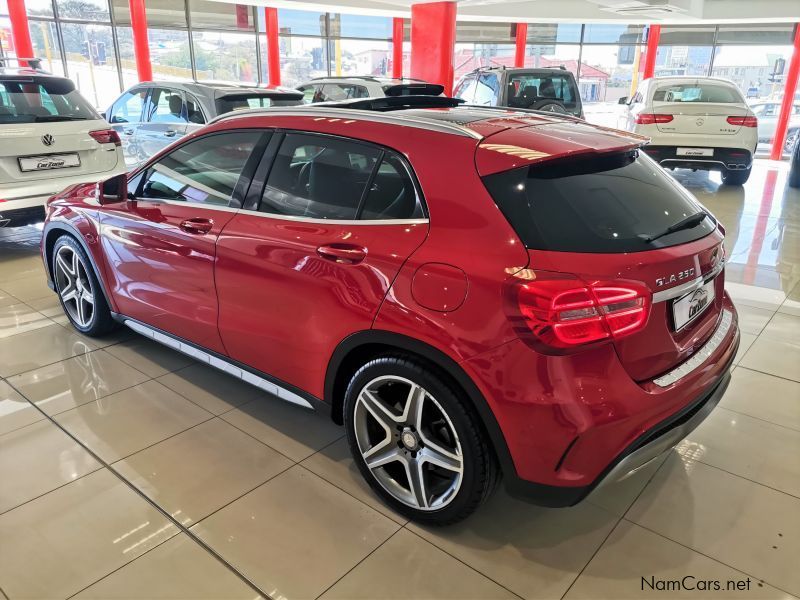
(792, 138)
(480, 474)
(549, 106)
(100, 321)
(735, 177)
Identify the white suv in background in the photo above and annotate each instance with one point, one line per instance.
(695, 123)
(50, 138)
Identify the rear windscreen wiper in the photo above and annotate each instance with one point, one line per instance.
(687, 223)
(54, 118)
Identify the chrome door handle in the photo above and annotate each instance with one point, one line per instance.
(198, 226)
(170, 133)
(346, 254)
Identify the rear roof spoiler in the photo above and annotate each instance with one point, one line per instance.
(414, 89)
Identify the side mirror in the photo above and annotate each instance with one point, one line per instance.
(623, 100)
(103, 115)
(113, 190)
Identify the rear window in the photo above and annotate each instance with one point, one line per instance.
(39, 100)
(697, 92)
(244, 102)
(526, 89)
(601, 204)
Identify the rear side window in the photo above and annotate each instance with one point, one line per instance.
(318, 177)
(595, 205)
(41, 100)
(697, 92)
(342, 91)
(167, 106)
(392, 194)
(204, 170)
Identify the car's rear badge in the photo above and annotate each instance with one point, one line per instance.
(48, 140)
(675, 277)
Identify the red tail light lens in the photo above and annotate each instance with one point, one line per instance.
(106, 136)
(652, 118)
(743, 121)
(563, 312)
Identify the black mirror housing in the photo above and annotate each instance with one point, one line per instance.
(113, 190)
(623, 100)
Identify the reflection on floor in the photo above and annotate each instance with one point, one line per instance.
(251, 496)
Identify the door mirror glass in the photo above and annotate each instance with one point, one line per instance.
(113, 190)
(623, 100)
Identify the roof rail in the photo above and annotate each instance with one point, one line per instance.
(364, 77)
(388, 103)
(33, 62)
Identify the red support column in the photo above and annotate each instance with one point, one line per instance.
(23, 47)
(397, 47)
(433, 39)
(652, 50)
(141, 45)
(789, 89)
(273, 47)
(522, 40)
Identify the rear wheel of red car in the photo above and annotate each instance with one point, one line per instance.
(735, 177)
(417, 442)
(78, 289)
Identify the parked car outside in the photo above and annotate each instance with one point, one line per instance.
(335, 89)
(767, 114)
(545, 305)
(51, 138)
(696, 123)
(550, 89)
(150, 116)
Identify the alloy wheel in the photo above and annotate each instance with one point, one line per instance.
(408, 442)
(74, 286)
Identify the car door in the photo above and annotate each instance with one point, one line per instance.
(167, 121)
(126, 115)
(313, 253)
(160, 245)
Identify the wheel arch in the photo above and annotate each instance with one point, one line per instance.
(360, 347)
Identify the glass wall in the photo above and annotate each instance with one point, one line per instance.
(91, 42)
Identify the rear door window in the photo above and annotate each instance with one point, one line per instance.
(487, 90)
(128, 108)
(466, 89)
(166, 106)
(603, 204)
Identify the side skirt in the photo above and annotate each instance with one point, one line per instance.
(229, 366)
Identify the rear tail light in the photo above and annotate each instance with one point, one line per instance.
(652, 118)
(743, 121)
(564, 312)
(106, 136)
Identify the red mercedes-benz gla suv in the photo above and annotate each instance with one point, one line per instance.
(472, 292)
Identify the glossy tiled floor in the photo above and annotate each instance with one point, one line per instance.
(127, 471)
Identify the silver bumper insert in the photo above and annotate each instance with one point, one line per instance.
(699, 357)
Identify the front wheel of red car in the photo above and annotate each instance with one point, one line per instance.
(417, 441)
(78, 289)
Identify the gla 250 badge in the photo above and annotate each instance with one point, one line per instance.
(679, 276)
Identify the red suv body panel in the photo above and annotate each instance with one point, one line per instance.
(258, 290)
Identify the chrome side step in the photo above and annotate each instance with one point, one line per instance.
(218, 363)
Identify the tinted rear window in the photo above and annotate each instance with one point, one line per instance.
(595, 205)
(40, 100)
(243, 102)
(697, 92)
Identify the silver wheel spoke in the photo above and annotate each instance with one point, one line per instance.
(74, 286)
(416, 481)
(378, 410)
(69, 294)
(436, 455)
(88, 296)
(65, 268)
(412, 412)
(384, 457)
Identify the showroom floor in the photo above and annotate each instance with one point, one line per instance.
(127, 470)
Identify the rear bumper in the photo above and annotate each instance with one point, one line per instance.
(723, 158)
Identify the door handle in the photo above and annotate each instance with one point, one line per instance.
(345, 254)
(170, 133)
(127, 131)
(198, 226)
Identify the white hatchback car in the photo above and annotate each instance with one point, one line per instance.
(50, 138)
(695, 123)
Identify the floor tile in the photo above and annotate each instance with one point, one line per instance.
(37, 459)
(633, 562)
(407, 566)
(23, 267)
(149, 357)
(211, 388)
(743, 524)
(791, 305)
(334, 464)
(6, 298)
(783, 327)
(178, 568)
(131, 420)
(751, 319)
(32, 349)
(745, 341)
(28, 288)
(202, 469)
(295, 535)
(776, 357)
(748, 447)
(62, 542)
(763, 396)
(76, 381)
(293, 431)
(758, 297)
(618, 496)
(18, 318)
(15, 411)
(534, 552)
(48, 306)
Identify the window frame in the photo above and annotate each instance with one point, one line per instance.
(236, 200)
(133, 91)
(255, 192)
